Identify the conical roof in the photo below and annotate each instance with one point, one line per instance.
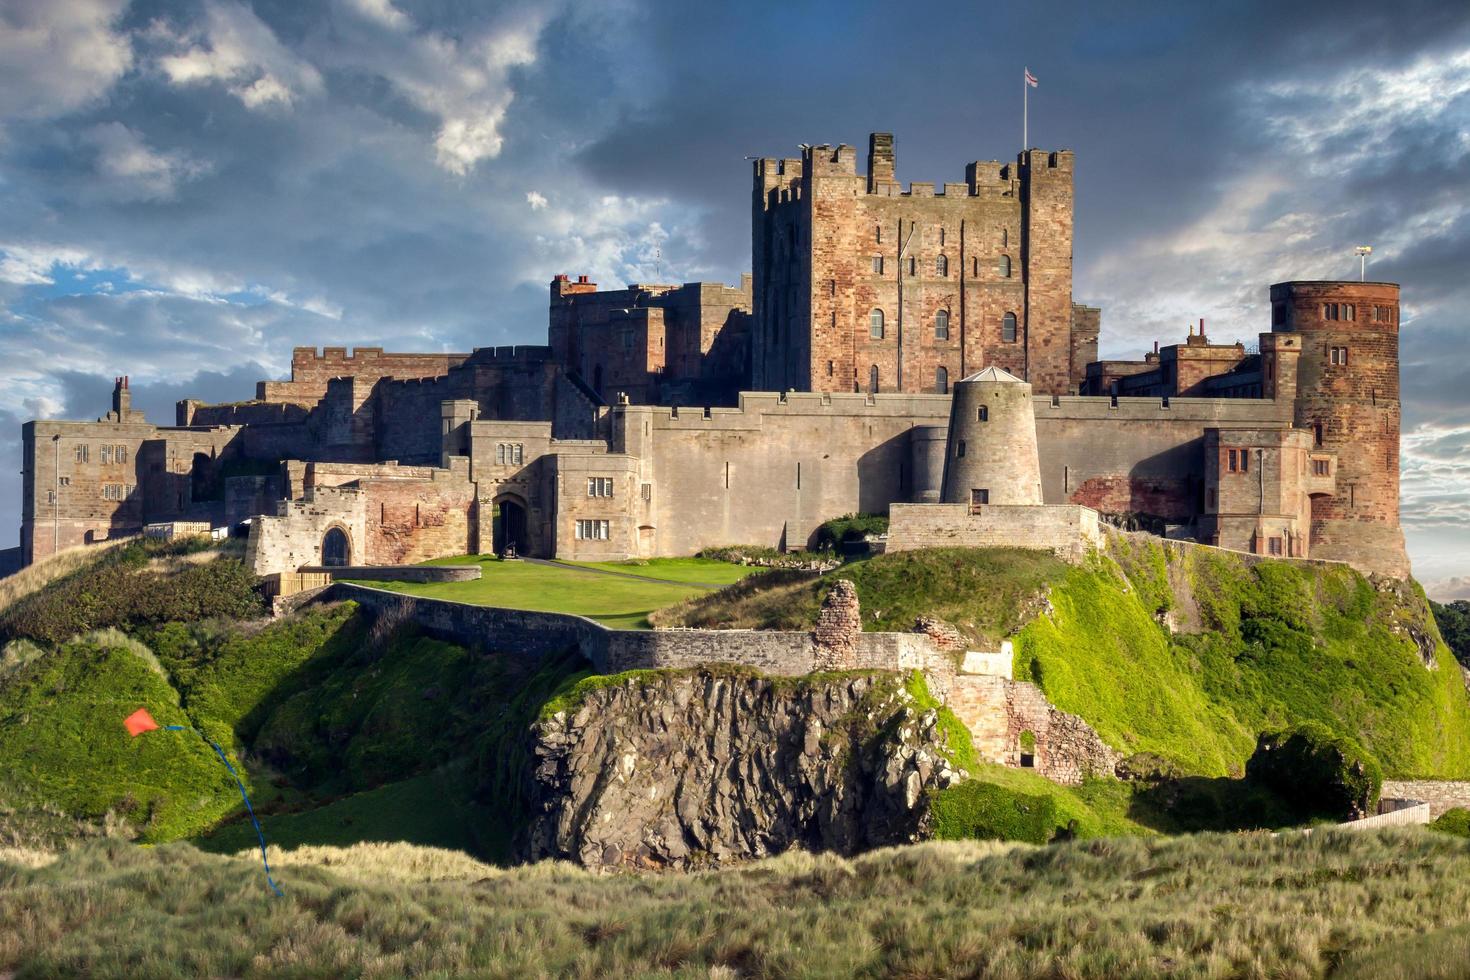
(994, 375)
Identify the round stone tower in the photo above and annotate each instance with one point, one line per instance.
(1347, 396)
(991, 457)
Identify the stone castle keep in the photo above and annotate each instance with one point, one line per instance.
(912, 351)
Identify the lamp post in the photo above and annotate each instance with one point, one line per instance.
(1362, 252)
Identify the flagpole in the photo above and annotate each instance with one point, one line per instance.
(1025, 107)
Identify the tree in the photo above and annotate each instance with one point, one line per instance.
(1454, 625)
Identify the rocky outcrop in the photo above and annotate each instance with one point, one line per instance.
(694, 768)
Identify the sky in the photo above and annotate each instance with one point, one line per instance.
(190, 188)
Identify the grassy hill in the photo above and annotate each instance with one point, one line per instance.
(1386, 905)
(1183, 652)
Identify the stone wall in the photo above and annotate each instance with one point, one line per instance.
(1064, 529)
(310, 371)
(998, 711)
(830, 246)
(1441, 795)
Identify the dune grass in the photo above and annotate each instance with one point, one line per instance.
(1388, 904)
(613, 600)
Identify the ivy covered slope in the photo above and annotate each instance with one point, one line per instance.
(1191, 652)
(1185, 652)
(342, 732)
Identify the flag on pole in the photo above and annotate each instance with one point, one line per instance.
(1030, 78)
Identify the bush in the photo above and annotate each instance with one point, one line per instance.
(850, 527)
(121, 591)
(1455, 821)
(975, 810)
(1317, 772)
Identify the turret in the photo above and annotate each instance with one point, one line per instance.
(1347, 396)
(991, 455)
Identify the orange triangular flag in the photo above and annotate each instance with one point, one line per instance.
(138, 722)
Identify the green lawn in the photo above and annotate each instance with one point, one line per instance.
(694, 571)
(613, 600)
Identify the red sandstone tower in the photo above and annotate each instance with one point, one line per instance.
(1347, 396)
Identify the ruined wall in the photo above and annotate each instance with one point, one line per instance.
(999, 712)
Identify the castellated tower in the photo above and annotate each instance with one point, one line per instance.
(863, 285)
(991, 455)
(1347, 396)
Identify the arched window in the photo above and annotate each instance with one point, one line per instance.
(1008, 328)
(941, 325)
(1003, 267)
(873, 379)
(875, 325)
(941, 266)
(941, 380)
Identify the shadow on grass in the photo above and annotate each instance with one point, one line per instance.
(1198, 804)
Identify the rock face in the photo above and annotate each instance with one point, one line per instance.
(694, 768)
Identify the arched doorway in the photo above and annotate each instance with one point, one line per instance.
(510, 526)
(336, 548)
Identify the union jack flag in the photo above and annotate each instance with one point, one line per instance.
(1030, 78)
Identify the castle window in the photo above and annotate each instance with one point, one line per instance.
(873, 379)
(913, 266)
(120, 454)
(82, 453)
(941, 266)
(941, 234)
(1383, 314)
(647, 491)
(1321, 467)
(976, 267)
(979, 498)
(50, 496)
(65, 481)
(941, 325)
(106, 455)
(875, 325)
(878, 265)
(1317, 432)
(593, 530)
(517, 453)
(941, 380)
(878, 234)
(983, 414)
(1338, 356)
(830, 368)
(1008, 328)
(1005, 237)
(1273, 546)
(959, 448)
(1003, 267)
(1349, 311)
(599, 486)
(831, 287)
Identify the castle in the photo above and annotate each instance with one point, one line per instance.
(665, 419)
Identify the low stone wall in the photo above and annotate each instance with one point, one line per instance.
(401, 573)
(998, 711)
(1441, 795)
(1068, 530)
(785, 654)
(1393, 813)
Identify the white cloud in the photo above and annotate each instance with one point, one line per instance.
(57, 56)
(463, 81)
(235, 48)
(133, 170)
(33, 265)
(536, 200)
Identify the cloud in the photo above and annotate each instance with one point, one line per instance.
(537, 201)
(58, 56)
(233, 47)
(132, 170)
(1449, 589)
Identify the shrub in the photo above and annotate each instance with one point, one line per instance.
(1317, 772)
(121, 591)
(975, 810)
(850, 527)
(1455, 821)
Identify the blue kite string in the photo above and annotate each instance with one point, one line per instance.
(248, 808)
